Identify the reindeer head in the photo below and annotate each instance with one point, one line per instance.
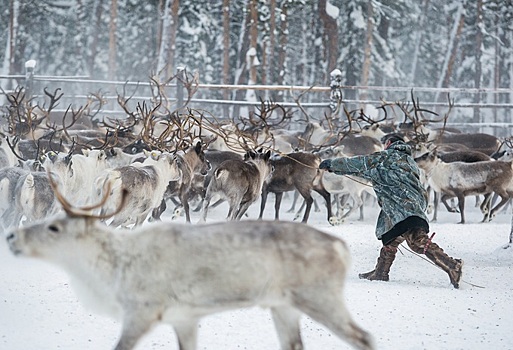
(54, 237)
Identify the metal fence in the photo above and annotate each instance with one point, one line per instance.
(492, 107)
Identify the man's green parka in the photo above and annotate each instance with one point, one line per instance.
(396, 180)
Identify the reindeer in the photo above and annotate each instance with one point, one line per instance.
(295, 171)
(168, 273)
(24, 194)
(239, 182)
(351, 186)
(145, 184)
(191, 163)
(460, 179)
(7, 156)
(485, 143)
(9, 214)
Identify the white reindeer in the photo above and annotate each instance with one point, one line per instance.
(77, 172)
(177, 274)
(352, 186)
(7, 156)
(24, 194)
(145, 182)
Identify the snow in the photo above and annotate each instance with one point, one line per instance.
(416, 309)
(332, 10)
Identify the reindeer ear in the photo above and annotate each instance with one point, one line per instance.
(198, 147)
(85, 152)
(267, 155)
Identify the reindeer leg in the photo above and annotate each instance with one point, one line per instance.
(461, 205)
(185, 203)
(486, 207)
(362, 201)
(327, 198)
(436, 200)
(243, 207)
(300, 210)
(444, 199)
(263, 197)
(316, 206)
(309, 201)
(504, 200)
(357, 203)
(330, 311)
(134, 327)
(277, 205)
(294, 201)
(157, 212)
(187, 334)
(286, 321)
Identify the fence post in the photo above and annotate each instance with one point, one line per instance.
(336, 90)
(29, 79)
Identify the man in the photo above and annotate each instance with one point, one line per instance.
(403, 200)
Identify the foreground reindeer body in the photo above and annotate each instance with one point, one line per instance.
(178, 273)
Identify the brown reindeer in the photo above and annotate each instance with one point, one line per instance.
(191, 163)
(295, 171)
(239, 182)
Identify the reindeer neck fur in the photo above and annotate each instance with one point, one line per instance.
(90, 262)
(263, 168)
(192, 161)
(434, 165)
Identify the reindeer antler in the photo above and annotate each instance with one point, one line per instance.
(83, 212)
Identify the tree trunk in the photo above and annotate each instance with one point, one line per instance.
(112, 38)
(160, 16)
(418, 40)
(94, 37)
(479, 71)
(330, 35)
(253, 42)
(10, 54)
(269, 60)
(452, 50)
(367, 51)
(496, 69)
(226, 53)
(165, 62)
(242, 48)
(171, 69)
(282, 53)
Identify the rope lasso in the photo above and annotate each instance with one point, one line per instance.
(432, 263)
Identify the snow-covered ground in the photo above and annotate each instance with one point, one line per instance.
(416, 309)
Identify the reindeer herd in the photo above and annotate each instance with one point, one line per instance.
(107, 181)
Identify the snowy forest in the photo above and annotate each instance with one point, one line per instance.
(428, 43)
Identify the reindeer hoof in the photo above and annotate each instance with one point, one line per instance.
(177, 213)
(335, 221)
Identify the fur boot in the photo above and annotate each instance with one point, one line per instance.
(420, 243)
(385, 260)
